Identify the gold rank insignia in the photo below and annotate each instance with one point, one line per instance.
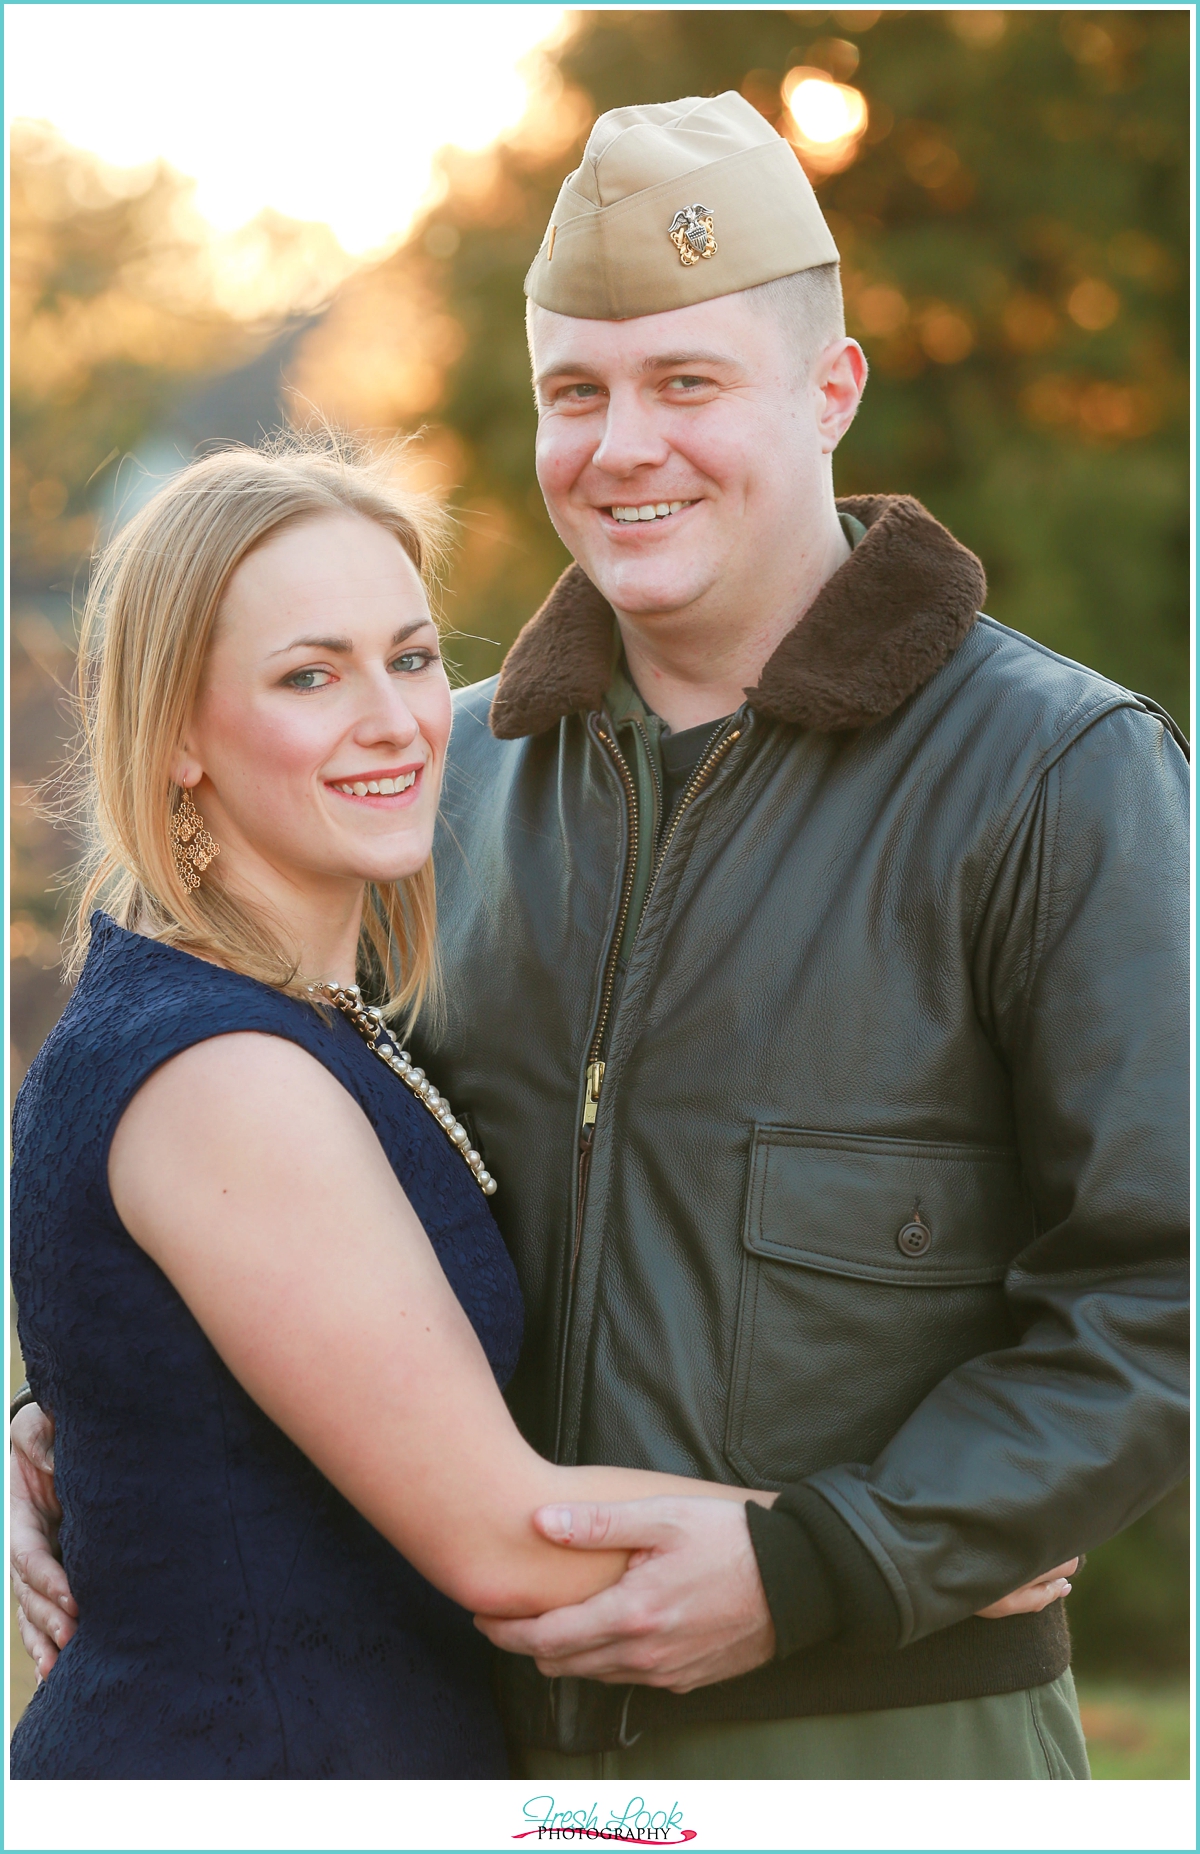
(692, 234)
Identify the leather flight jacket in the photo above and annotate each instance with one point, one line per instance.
(870, 1181)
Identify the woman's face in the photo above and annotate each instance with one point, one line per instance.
(321, 724)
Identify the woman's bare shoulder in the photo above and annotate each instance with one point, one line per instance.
(244, 1131)
(234, 1086)
(246, 1057)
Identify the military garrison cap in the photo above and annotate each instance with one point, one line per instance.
(674, 203)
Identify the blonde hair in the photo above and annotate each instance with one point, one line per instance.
(148, 620)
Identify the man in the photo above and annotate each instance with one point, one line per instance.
(815, 954)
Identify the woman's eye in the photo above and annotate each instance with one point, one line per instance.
(413, 660)
(306, 679)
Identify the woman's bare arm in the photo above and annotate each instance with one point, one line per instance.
(259, 1187)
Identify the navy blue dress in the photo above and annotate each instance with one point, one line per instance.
(238, 1618)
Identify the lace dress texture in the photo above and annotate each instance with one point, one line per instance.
(238, 1618)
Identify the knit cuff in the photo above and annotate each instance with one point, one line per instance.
(800, 1591)
(820, 1580)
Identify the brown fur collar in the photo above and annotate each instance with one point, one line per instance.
(877, 630)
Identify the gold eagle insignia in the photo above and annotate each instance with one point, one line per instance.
(692, 234)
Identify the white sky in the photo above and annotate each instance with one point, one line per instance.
(325, 112)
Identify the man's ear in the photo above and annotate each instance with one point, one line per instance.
(838, 379)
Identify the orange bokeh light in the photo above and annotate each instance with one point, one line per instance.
(826, 120)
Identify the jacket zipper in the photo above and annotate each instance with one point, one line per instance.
(658, 790)
(714, 755)
(595, 1064)
(595, 1067)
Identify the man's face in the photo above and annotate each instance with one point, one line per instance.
(705, 415)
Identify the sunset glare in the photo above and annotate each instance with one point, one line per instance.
(328, 113)
(827, 119)
(825, 111)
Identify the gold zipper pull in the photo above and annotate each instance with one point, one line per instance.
(595, 1079)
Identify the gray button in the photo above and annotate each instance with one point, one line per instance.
(914, 1238)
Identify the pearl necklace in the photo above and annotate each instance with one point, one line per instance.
(368, 1021)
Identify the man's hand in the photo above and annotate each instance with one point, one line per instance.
(47, 1610)
(689, 1610)
(1033, 1596)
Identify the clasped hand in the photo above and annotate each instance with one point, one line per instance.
(690, 1608)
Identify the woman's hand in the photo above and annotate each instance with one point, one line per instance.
(1032, 1597)
(46, 1612)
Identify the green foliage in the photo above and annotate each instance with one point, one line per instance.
(1014, 235)
(1129, 1606)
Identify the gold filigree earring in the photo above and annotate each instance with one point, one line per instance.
(193, 846)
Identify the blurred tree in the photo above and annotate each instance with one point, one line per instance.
(1129, 1606)
(109, 321)
(1014, 232)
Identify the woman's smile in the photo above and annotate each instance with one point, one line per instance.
(399, 784)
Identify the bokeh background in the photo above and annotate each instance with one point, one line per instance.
(1009, 191)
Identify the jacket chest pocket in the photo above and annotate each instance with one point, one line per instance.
(871, 1268)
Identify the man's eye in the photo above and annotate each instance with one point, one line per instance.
(412, 660)
(582, 391)
(306, 679)
(687, 380)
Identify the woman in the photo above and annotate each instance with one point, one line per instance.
(240, 1213)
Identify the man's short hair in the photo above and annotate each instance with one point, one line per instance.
(809, 304)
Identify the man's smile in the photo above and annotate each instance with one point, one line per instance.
(647, 511)
(639, 518)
